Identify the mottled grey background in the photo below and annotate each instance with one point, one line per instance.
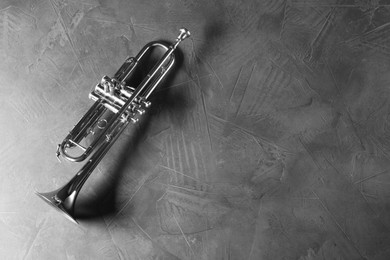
(270, 141)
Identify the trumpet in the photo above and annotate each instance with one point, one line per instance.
(124, 103)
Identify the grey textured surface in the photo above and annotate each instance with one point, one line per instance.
(269, 142)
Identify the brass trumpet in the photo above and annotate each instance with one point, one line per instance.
(125, 103)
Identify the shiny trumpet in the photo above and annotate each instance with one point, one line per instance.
(124, 104)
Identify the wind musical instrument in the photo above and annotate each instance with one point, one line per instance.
(125, 103)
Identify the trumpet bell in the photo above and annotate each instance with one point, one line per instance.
(66, 207)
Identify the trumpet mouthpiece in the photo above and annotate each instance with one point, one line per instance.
(184, 33)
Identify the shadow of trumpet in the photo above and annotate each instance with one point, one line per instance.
(102, 201)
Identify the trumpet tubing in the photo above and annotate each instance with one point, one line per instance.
(124, 103)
